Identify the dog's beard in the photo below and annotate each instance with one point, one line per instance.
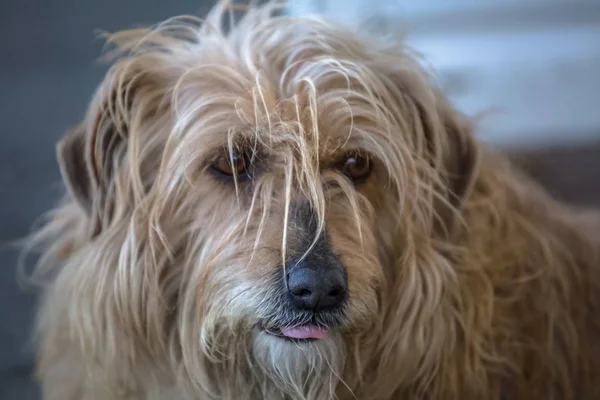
(300, 369)
(247, 356)
(250, 362)
(304, 368)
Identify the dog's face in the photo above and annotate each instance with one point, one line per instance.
(265, 198)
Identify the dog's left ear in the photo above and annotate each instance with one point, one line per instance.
(461, 156)
(454, 154)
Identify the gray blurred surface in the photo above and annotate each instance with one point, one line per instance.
(48, 72)
(528, 70)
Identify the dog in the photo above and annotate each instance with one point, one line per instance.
(275, 207)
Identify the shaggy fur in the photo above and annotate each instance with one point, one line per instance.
(465, 279)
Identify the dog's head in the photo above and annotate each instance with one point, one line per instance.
(263, 203)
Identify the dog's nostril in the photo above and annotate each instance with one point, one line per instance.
(302, 292)
(334, 293)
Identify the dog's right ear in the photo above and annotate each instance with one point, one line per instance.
(99, 171)
(74, 163)
(90, 154)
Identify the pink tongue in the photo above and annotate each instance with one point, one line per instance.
(306, 332)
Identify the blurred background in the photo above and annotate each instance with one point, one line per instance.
(528, 70)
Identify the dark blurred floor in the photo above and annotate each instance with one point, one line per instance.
(47, 75)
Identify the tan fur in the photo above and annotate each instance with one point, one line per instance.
(466, 280)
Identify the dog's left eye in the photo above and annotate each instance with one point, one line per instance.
(357, 167)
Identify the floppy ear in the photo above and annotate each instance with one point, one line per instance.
(461, 156)
(89, 154)
(454, 154)
(443, 137)
(74, 166)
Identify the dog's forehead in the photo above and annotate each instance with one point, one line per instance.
(320, 91)
(280, 134)
(269, 120)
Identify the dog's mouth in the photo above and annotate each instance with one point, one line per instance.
(304, 327)
(303, 333)
(299, 326)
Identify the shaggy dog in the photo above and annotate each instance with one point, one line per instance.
(278, 208)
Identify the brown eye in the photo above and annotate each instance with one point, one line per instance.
(231, 165)
(357, 167)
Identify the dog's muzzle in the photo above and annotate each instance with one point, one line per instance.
(314, 292)
(313, 286)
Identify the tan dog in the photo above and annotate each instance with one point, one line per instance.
(292, 211)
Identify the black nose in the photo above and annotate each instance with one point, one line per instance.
(317, 286)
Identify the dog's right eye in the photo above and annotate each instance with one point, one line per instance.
(231, 165)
